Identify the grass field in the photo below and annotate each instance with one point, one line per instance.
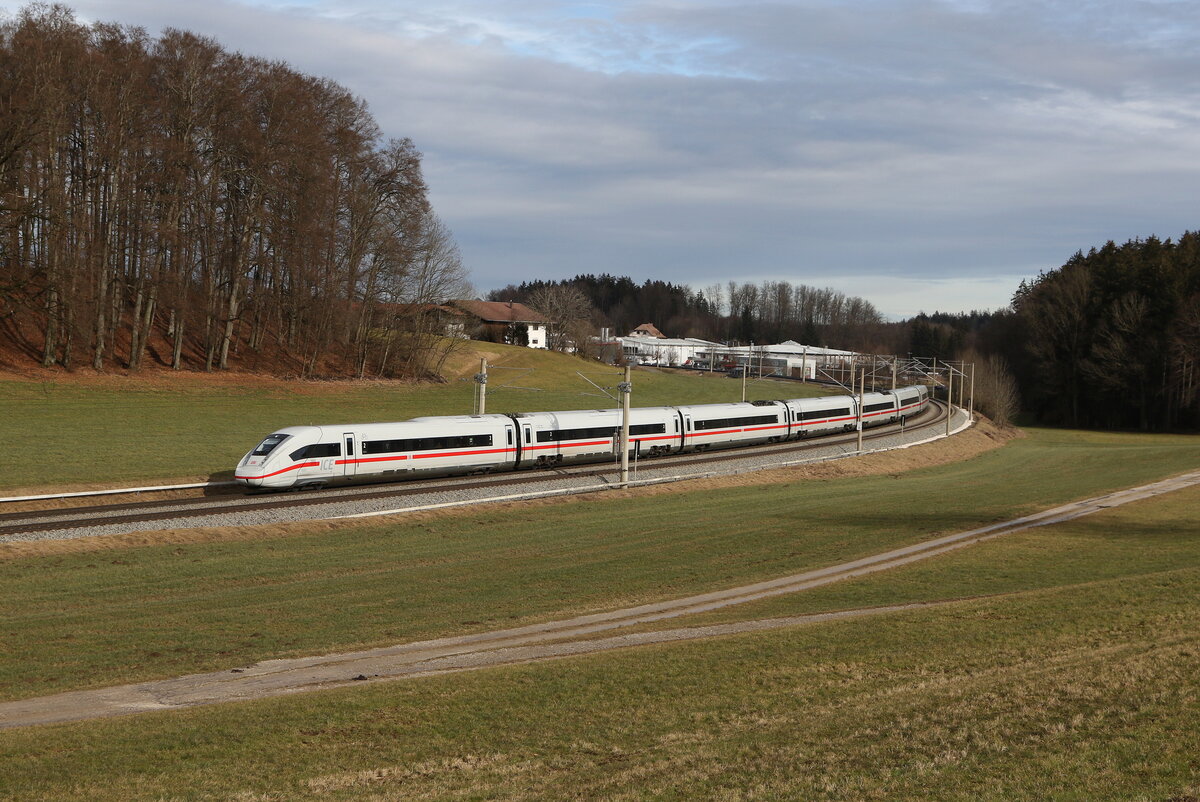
(114, 429)
(92, 619)
(1077, 683)
(1062, 665)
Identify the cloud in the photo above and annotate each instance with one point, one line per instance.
(934, 144)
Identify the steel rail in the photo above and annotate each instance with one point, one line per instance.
(20, 523)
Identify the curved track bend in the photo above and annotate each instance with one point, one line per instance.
(151, 510)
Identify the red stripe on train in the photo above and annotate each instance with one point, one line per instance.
(297, 466)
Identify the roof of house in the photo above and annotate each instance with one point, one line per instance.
(649, 329)
(793, 347)
(500, 311)
(667, 342)
(412, 309)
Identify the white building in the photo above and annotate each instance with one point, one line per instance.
(788, 358)
(667, 351)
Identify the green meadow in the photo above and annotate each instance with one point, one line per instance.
(125, 430)
(1062, 668)
(1058, 662)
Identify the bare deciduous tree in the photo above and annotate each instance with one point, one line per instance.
(170, 188)
(568, 314)
(995, 391)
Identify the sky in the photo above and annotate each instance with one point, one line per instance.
(923, 154)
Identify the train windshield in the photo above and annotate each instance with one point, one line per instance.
(269, 445)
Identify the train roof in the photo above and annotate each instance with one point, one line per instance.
(350, 427)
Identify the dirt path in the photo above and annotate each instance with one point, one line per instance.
(547, 640)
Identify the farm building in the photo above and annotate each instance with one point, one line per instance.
(788, 358)
(646, 345)
(503, 322)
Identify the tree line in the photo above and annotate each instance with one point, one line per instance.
(1113, 336)
(1110, 339)
(734, 312)
(166, 195)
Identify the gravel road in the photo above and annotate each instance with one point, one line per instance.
(547, 640)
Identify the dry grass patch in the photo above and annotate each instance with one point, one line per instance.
(1082, 693)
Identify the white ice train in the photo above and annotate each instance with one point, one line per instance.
(308, 456)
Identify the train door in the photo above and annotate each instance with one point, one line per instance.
(349, 458)
(524, 446)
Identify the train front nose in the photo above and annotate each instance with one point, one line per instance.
(249, 472)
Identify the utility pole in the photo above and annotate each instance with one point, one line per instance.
(481, 380)
(804, 367)
(949, 396)
(862, 381)
(971, 411)
(746, 369)
(893, 373)
(626, 389)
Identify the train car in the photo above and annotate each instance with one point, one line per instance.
(912, 400)
(879, 408)
(812, 416)
(591, 435)
(708, 426)
(309, 456)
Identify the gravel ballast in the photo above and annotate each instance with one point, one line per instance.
(345, 504)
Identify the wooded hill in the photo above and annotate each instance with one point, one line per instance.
(1113, 336)
(1109, 340)
(165, 195)
(772, 311)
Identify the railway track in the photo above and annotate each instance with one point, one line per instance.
(145, 511)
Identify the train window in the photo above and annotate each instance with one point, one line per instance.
(821, 414)
(602, 432)
(879, 406)
(509, 433)
(426, 444)
(559, 435)
(269, 445)
(723, 423)
(316, 451)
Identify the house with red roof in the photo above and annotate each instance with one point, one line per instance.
(503, 322)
